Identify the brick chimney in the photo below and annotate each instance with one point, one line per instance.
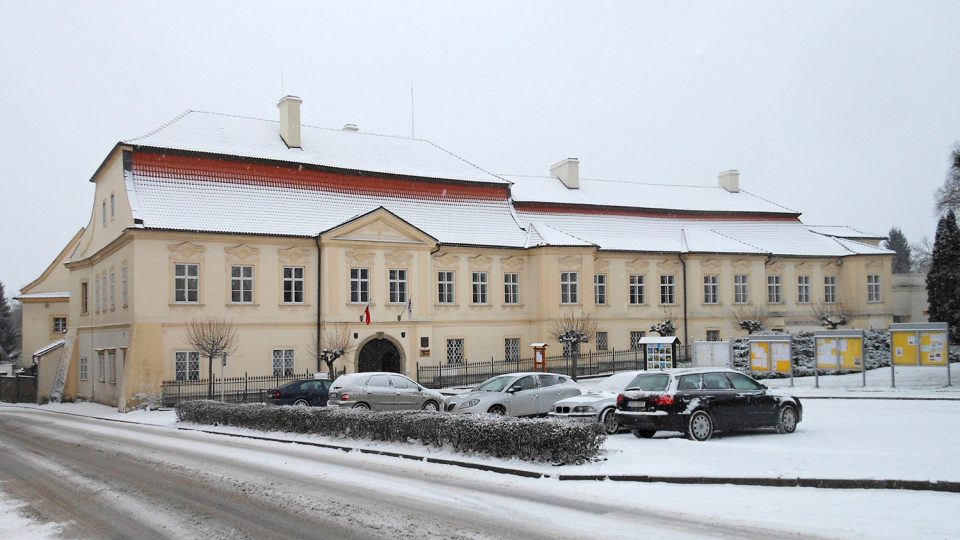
(568, 171)
(730, 181)
(290, 120)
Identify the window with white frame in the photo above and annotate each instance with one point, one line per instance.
(741, 289)
(637, 293)
(124, 291)
(59, 325)
(359, 285)
(112, 366)
(241, 284)
(601, 341)
(186, 365)
(445, 282)
(293, 284)
(479, 287)
(713, 335)
(455, 351)
(774, 292)
(101, 366)
(599, 289)
(803, 289)
(511, 288)
(635, 336)
(282, 362)
(511, 349)
(103, 291)
(186, 283)
(711, 289)
(873, 288)
(112, 288)
(830, 289)
(668, 289)
(398, 285)
(84, 368)
(569, 287)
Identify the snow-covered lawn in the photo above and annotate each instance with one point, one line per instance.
(15, 524)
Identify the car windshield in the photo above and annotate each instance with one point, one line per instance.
(614, 383)
(496, 384)
(649, 382)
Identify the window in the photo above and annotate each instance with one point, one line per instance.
(84, 368)
(803, 289)
(112, 287)
(84, 297)
(445, 287)
(873, 288)
(292, 284)
(124, 297)
(711, 289)
(716, 381)
(187, 365)
(101, 368)
(96, 294)
(59, 325)
(635, 336)
(511, 349)
(479, 287)
(688, 382)
(602, 341)
(455, 351)
(103, 212)
(741, 289)
(186, 283)
(398, 286)
(360, 285)
(113, 206)
(112, 366)
(511, 288)
(774, 295)
(282, 362)
(713, 335)
(600, 289)
(668, 289)
(241, 284)
(637, 295)
(569, 285)
(424, 342)
(742, 382)
(830, 289)
(103, 291)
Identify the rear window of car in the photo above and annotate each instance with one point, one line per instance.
(649, 383)
(742, 382)
(689, 382)
(399, 382)
(715, 381)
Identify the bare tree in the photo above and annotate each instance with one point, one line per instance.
(211, 337)
(922, 255)
(332, 345)
(750, 318)
(830, 315)
(572, 329)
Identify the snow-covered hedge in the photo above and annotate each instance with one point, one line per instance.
(549, 440)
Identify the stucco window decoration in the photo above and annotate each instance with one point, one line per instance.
(292, 284)
(398, 286)
(873, 288)
(124, 287)
(668, 289)
(241, 284)
(455, 351)
(112, 288)
(774, 292)
(803, 289)
(569, 287)
(445, 287)
(741, 289)
(711, 289)
(186, 365)
(637, 293)
(479, 287)
(830, 289)
(96, 293)
(186, 283)
(511, 288)
(599, 289)
(282, 362)
(359, 285)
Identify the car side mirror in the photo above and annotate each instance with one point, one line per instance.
(420, 388)
(764, 387)
(513, 389)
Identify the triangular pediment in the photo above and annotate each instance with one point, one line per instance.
(380, 225)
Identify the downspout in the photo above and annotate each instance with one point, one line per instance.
(683, 265)
(319, 310)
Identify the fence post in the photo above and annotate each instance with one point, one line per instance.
(245, 386)
(491, 366)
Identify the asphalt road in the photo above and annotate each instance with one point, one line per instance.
(100, 479)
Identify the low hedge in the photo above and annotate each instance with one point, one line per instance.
(541, 439)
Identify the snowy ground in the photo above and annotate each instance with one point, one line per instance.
(14, 523)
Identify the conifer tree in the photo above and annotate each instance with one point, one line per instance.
(8, 335)
(943, 280)
(897, 242)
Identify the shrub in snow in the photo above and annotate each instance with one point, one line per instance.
(542, 439)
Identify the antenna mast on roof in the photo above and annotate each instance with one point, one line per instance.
(413, 133)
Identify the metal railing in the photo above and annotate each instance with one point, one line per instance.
(245, 389)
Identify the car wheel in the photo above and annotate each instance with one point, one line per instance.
(497, 410)
(609, 421)
(362, 406)
(301, 403)
(643, 433)
(700, 426)
(430, 406)
(787, 421)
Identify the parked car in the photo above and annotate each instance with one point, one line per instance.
(304, 392)
(514, 394)
(382, 392)
(599, 403)
(700, 401)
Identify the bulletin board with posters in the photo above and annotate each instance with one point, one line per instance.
(772, 353)
(839, 350)
(918, 344)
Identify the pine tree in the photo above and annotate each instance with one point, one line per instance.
(8, 336)
(897, 243)
(943, 280)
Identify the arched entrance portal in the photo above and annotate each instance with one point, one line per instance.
(379, 355)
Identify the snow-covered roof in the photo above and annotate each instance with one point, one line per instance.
(547, 189)
(842, 231)
(43, 295)
(676, 235)
(228, 135)
(49, 347)
(659, 339)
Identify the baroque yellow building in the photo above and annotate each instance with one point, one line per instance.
(286, 229)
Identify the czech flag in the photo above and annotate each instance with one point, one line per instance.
(365, 318)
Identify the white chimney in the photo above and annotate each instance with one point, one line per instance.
(351, 127)
(568, 171)
(290, 120)
(730, 181)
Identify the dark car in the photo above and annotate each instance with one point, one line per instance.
(312, 392)
(700, 401)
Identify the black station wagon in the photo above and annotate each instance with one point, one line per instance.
(699, 401)
(304, 392)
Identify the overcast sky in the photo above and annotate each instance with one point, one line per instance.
(845, 111)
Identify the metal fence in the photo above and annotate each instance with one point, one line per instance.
(589, 363)
(245, 389)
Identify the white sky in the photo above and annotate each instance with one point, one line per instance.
(845, 111)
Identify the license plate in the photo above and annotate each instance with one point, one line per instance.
(333, 395)
(637, 404)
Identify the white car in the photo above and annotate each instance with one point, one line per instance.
(599, 403)
(514, 394)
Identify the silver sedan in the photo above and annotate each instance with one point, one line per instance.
(597, 404)
(514, 394)
(381, 392)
